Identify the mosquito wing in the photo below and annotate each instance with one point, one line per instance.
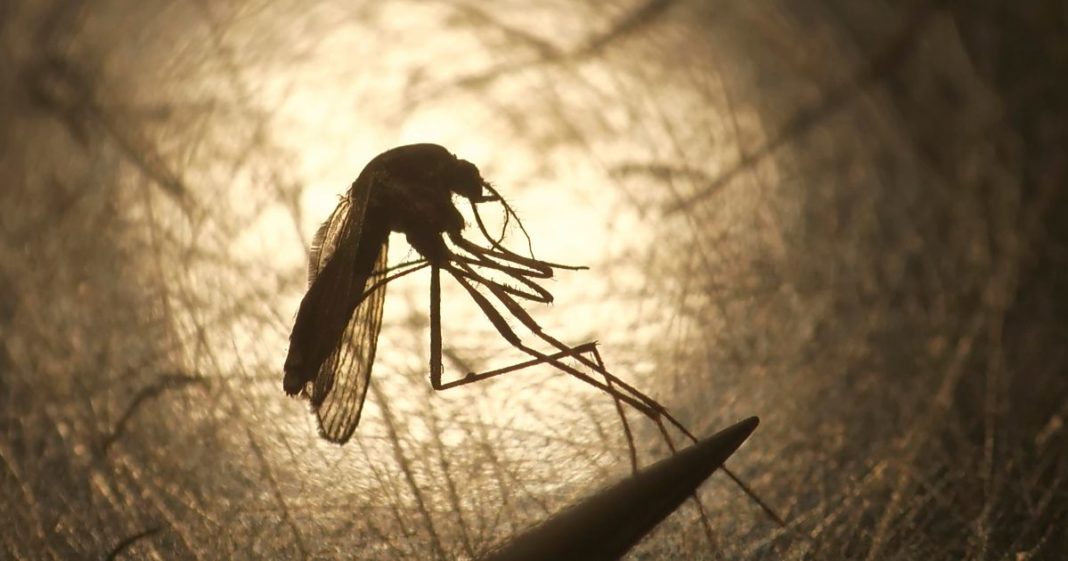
(343, 223)
(341, 385)
(333, 342)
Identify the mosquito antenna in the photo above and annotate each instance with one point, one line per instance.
(506, 253)
(507, 211)
(507, 218)
(485, 231)
(496, 244)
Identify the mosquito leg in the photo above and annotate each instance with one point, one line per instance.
(476, 377)
(383, 279)
(417, 263)
(498, 321)
(659, 420)
(509, 335)
(435, 326)
(644, 404)
(631, 448)
(657, 416)
(756, 498)
(649, 405)
(533, 267)
(535, 292)
(701, 512)
(661, 415)
(619, 408)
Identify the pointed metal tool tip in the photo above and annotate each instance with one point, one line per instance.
(603, 527)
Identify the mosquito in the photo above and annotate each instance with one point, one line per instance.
(409, 190)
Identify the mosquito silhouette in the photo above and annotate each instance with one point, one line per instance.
(410, 190)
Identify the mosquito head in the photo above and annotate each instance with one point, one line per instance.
(465, 180)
